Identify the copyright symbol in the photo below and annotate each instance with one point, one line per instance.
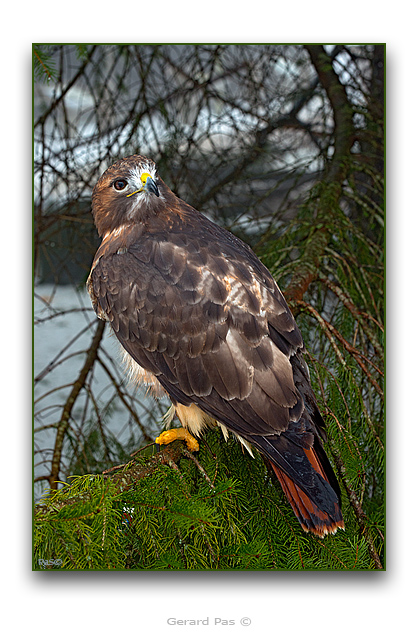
(245, 620)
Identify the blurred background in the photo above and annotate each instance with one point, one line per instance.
(281, 144)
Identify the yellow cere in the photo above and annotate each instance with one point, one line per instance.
(144, 177)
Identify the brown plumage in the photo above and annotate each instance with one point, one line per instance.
(201, 316)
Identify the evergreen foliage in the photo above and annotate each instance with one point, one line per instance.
(220, 510)
(43, 63)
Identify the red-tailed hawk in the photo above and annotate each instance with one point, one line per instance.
(201, 317)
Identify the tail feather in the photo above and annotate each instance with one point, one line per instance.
(311, 517)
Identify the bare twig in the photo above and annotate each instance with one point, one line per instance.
(69, 404)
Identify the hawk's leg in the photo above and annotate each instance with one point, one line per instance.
(179, 433)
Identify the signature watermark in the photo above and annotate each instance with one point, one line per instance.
(44, 563)
(244, 621)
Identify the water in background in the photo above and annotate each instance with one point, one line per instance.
(61, 337)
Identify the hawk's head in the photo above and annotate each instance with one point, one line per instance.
(126, 192)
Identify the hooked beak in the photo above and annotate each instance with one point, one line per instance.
(148, 183)
(151, 186)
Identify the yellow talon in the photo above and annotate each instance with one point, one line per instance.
(166, 437)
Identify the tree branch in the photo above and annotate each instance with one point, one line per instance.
(326, 199)
(69, 404)
(355, 504)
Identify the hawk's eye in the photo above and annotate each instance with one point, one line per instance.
(120, 184)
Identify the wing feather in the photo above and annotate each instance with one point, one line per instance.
(209, 322)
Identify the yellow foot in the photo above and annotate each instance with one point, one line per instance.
(179, 433)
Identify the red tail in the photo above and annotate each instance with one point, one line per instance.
(310, 516)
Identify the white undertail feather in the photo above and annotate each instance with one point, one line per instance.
(195, 420)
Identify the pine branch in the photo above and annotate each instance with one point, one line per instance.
(44, 66)
(360, 515)
(324, 202)
(186, 516)
(65, 90)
